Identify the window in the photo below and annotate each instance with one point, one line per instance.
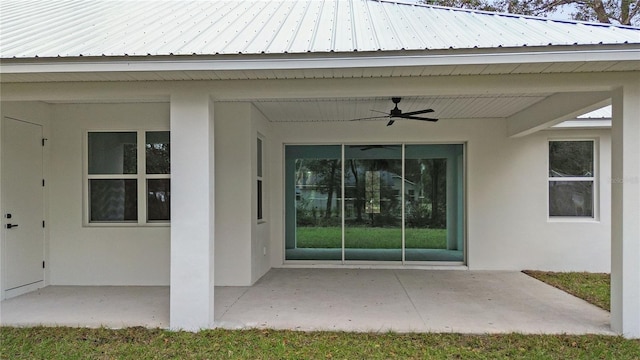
(571, 178)
(259, 213)
(121, 168)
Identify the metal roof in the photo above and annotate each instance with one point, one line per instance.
(73, 28)
(602, 113)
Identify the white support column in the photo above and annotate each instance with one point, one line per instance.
(192, 211)
(625, 212)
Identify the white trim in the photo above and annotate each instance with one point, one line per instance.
(260, 178)
(399, 264)
(595, 218)
(403, 224)
(140, 176)
(142, 63)
(342, 194)
(309, 264)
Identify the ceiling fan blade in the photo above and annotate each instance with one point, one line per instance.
(404, 116)
(419, 112)
(371, 118)
(381, 112)
(391, 121)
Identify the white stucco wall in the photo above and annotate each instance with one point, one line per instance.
(507, 223)
(242, 243)
(233, 194)
(81, 255)
(260, 229)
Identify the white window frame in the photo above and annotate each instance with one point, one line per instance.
(141, 176)
(594, 178)
(259, 184)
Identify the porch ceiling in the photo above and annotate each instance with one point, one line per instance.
(445, 107)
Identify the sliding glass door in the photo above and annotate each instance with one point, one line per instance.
(433, 203)
(373, 202)
(314, 207)
(402, 203)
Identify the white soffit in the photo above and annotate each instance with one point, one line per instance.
(345, 109)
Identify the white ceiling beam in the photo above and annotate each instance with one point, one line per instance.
(554, 110)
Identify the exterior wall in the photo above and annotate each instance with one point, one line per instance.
(507, 223)
(233, 186)
(37, 113)
(242, 243)
(99, 255)
(260, 229)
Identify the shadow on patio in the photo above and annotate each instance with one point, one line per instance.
(334, 299)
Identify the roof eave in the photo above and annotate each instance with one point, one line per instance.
(247, 62)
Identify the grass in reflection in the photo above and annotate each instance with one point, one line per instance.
(370, 238)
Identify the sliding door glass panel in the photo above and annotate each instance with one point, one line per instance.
(373, 202)
(433, 203)
(314, 208)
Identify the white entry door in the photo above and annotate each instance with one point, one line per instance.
(23, 207)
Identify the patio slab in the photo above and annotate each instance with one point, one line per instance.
(89, 306)
(334, 299)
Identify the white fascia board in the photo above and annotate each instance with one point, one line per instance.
(196, 63)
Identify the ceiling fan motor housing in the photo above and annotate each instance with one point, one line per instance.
(395, 111)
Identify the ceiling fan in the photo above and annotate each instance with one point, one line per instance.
(396, 113)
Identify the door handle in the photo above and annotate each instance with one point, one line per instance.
(10, 226)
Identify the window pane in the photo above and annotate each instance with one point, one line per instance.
(158, 152)
(426, 203)
(158, 199)
(373, 202)
(113, 200)
(259, 155)
(314, 204)
(259, 199)
(434, 202)
(113, 153)
(571, 198)
(570, 158)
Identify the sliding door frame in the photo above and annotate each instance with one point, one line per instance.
(461, 207)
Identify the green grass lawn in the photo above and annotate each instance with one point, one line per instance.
(370, 238)
(592, 287)
(139, 343)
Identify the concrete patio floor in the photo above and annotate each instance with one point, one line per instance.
(334, 299)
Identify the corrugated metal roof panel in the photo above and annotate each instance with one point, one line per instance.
(69, 28)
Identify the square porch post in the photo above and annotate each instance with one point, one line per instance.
(625, 211)
(192, 211)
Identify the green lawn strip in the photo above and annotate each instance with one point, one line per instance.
(370, 238)
(592, 287)
(139, 343)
